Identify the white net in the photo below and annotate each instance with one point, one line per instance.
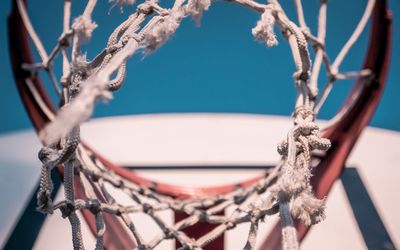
(285, 190)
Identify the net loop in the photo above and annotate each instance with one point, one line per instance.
(51, 157)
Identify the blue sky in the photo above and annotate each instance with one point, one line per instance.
(217, 67)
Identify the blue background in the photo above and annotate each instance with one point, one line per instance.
(217, 67)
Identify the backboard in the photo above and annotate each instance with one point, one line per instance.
(212, 149)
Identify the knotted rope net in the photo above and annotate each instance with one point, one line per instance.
(285, 189)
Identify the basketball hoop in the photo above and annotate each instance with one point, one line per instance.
(312, 159)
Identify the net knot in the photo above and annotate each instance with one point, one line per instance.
(64, 39)
(143, 247)
(142, 190)
(147, 208)
(229, 225)
(94, 206)
(238, 199)
(202, 215)
(119, 183)
(169, 233)
(44, 201)
(67, 209)
(137, 37)
(95, 176)
(165, 28)
(47, 154)
(115, 47)
(260, 189)
(146, 8)
(301, 76)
